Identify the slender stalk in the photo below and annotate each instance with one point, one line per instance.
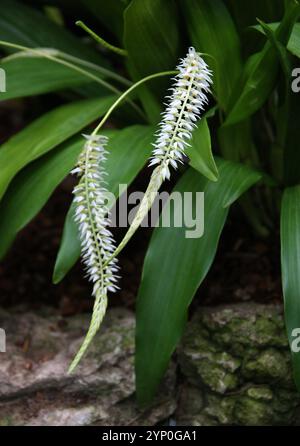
(154, 185)
(122, 80)
(126, 93)
(70, 65)
(100, 40)
(108, 73)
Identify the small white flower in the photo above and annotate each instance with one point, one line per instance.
(188, 98)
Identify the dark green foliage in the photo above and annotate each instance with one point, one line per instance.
(253, 121)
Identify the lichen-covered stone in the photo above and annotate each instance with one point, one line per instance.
(190, 408)
(267, 365)
(260, 393)
(208, 365)
(219, 409)
(251, 412)
(237, 358)
(35, 388)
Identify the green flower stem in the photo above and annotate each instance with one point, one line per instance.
(99, 39)
(155, 182)
(41, 53)
(47, 55)
(122, 80)
(99, 310)
(127, 92)
(107, 73)
(156, 177)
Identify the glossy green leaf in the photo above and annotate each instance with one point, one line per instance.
(109, 14)
(24, 25)
(218, 37)
(32, 187)
(236, 142)
(31, 76)
(174, 268)
(69, 250)
(290, 265)
(285, 154)
(291, 155)
(245, 13)
(151, 38)
(128, 151)
(212, 31)
(46, 133)
(294, 42)
(244, 178)
(261, 71)
(279, 48)
(200, 154)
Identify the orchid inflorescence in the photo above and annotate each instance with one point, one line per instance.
(189, 95)
(91, 215)
(188, 98)
(97, 243)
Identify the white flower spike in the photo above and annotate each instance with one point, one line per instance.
(189, 96)
(91, 214)
(97, 243)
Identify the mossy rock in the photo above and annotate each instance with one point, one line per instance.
(238, 356)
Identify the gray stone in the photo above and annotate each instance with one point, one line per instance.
(234, 361)
(35, 388)
(237, 363)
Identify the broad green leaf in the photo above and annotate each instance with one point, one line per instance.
(32, 187)
(110, 14)
(174, 268)
(290, 265)
(128, 151)
(31, 76)
(212, 31)
(291, 154)
(151, 38)
(236, 142)
(218, 37)
(200, 154)
(279, 48)
(260, 72)
(24, 25)
(285, 156)
(294, 42)
(46, 133)
(244, 178)
(245, 13)
(69, 250)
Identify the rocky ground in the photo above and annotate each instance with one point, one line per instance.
(236, 362)
(232, 368)
(36, 390)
